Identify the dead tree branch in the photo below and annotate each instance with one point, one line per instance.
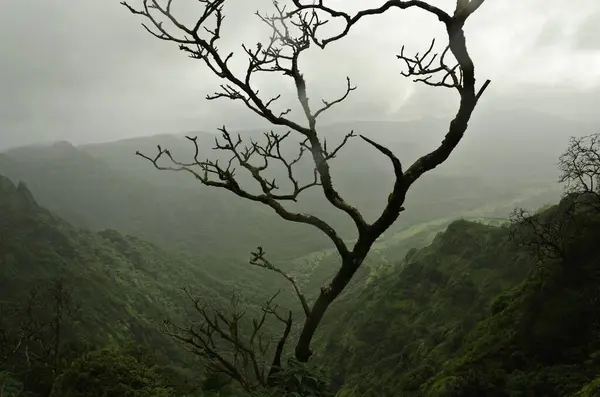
(293, 31)
(546, 239)
(33, 336)
(231, 345)
(258, 259)
(580, 165)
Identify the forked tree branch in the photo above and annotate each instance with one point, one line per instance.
(211, 173)
(292, 33)
(231, 345)
(280, 54)
(258, 259)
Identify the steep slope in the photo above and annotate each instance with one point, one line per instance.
(407, 319)
(84, 190)
(126, 286)
(544, 336)
(476, 314)
(316, 269)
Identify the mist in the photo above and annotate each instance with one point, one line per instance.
(88, 72)
(417, 238)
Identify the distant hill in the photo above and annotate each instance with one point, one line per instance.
(106, 186)
(86, 191)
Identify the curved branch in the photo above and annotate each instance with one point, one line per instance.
(228, 182)
(258, 259)
(281, 55)
(469, 98)
(352, 20)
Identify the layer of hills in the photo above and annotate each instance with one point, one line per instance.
(474, 313)
(106, 186)
(116, 276)
(441, 308)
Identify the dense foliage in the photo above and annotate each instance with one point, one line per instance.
(110, 373)
(119, 289)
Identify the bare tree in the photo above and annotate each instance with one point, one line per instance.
(293, 31)
(580, 165)
(231, 345)
(34, 334)
(550, 235)
(548, 238)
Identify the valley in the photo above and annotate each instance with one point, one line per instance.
(293, 198)
(127, 287)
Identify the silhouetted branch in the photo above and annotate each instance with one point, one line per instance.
(258, 259)
(290, 37)
(422, 67)
(211, 173)
(327, 105)
(319, 6)
(580, 165)
(224, 341)
(292, 33)
(547, 239)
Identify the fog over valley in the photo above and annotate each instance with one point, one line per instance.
(204, 198)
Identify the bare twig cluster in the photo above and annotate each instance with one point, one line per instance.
(551, 235)
(293, 31)
(547, 239)
(34, 333)
(232, 345)
(580, 165)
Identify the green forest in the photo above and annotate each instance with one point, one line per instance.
(307, 259)
(479, 305)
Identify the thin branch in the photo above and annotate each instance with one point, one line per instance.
(219, 338)
(291, 36)
(258, 259)
(352, 20)
(292, 33)
(211, 173)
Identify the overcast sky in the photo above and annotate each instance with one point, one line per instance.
(85, 70)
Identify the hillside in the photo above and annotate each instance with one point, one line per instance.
(116, 276)
(88, 193)
(476, 314)
(440, 308)
(469, 313)
(125, 287)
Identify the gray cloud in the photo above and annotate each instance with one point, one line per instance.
(86, 71)
(587, 36)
